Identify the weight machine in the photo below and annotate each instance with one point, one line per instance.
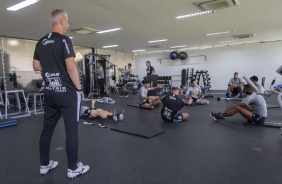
(12, 77)
(277, 90)
(90, 82)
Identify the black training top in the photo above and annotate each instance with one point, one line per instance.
(150, 69)
(52, 50)
(172, 103)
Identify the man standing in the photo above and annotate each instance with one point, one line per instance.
(150, 69)
(172, 105)
(100, 78)
(54, 56)
(126, 75)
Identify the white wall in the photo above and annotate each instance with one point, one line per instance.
(260, 59)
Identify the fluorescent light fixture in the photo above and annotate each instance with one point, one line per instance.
(109, 46)
(22, 5)
(164, 40)
(109, 30)
(194, 14)
(230, 41)
(219, 33)
(139, 50)
(179, 46)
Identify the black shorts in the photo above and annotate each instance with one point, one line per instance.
(87, 113)
(124, 82)
(145, 102)
(177, 118)
(257, 119)
(101, 82)
(194, 99)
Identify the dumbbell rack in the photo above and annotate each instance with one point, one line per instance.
(190, 75)
(203, 76)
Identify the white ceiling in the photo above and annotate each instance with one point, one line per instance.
(144, 20)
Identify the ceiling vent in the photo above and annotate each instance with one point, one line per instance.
(216, 4)
(242, 36)
(85, 30)
(156, 46)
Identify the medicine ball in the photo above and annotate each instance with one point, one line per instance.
(183, 55)
(173, 55)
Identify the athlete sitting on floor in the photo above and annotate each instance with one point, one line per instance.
(193, 93)
(148, 102)
(235, 86)
(253, 108)
(93, 113)
(254, 79)
(172, 105)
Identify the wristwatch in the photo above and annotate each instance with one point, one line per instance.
(79, 89)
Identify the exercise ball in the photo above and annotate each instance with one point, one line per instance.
(173, 55)
(183, 55)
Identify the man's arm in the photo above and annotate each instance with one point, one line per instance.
(93, 104)
(73, 72)
(97, 71)
(37, 65)
(157, 87)
(154, 71)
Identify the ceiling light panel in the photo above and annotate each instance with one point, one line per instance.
(109, 46)
(219, 33)
(139, 50)
(22, 5)
(194, 14)
(109, 30)
(154, 41)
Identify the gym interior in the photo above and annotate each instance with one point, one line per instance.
(142, 148)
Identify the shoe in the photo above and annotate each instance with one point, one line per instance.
(81, 169)
(214, 116)
(120, 115)
(102, 125)
(52, 164)
(125, 95)
(87, 123)
(208, 102)
(115, 118)
(237, 96)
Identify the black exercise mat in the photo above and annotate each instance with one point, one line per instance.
(267, 124)
(138, 130)
(131, 105)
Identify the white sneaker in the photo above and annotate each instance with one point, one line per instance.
(81, 169)
(115, 118)
(121, 115)
(87, 123)
(52, 164)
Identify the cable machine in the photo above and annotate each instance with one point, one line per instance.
(90, 82)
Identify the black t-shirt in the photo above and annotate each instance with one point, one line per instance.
(150, 69)
(52, 50)
(172, 103)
